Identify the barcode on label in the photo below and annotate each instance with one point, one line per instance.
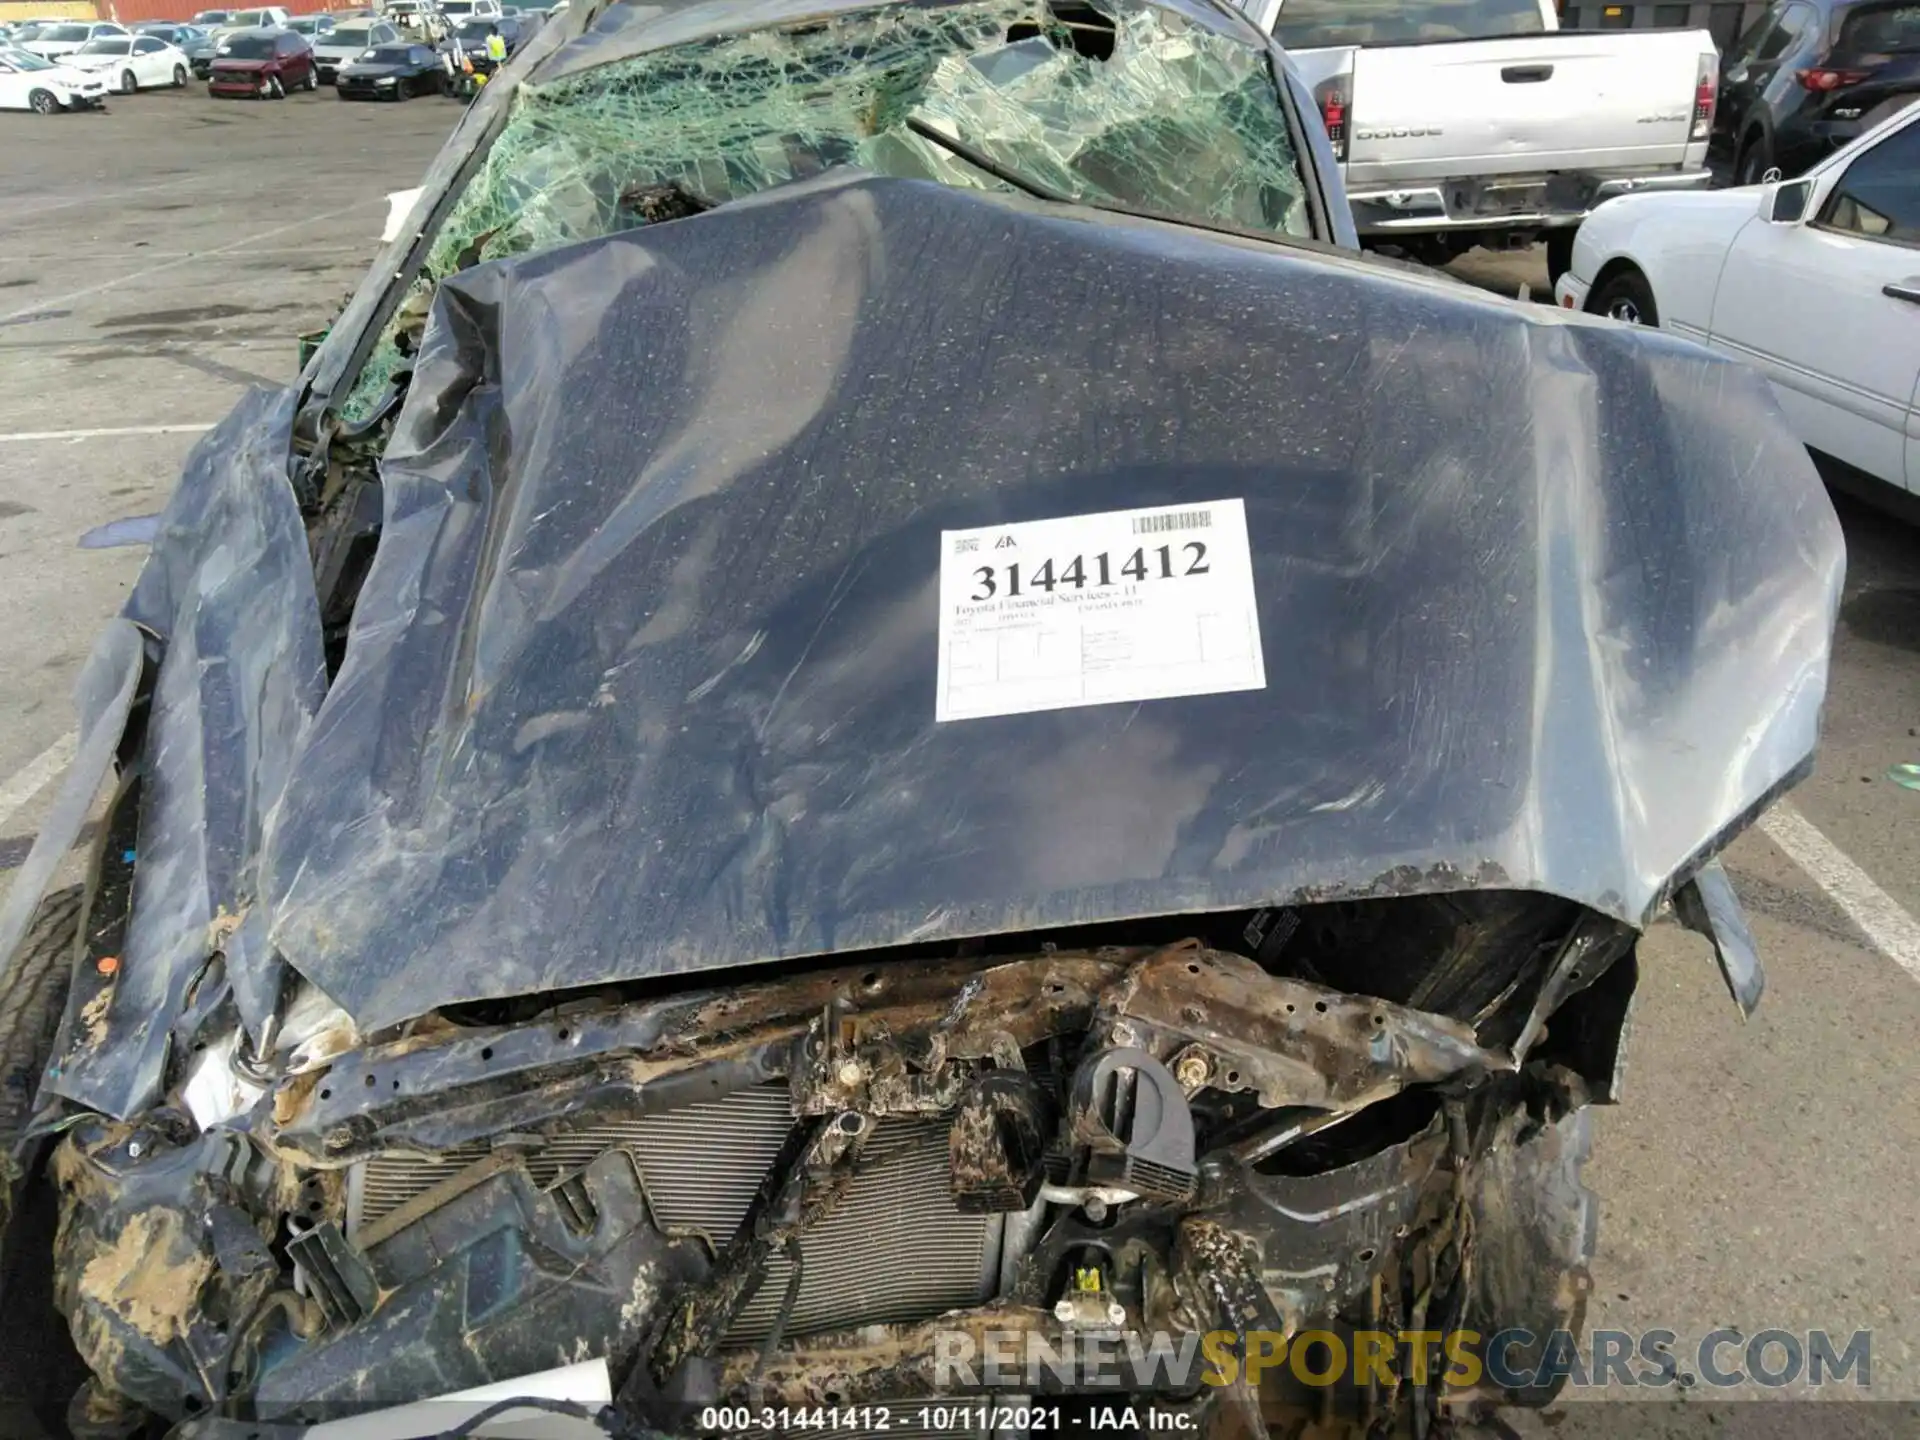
(1178, 520)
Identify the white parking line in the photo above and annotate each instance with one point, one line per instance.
(33, 209)
(36, 775)
(56, 300)
(1894, 932)
(81, 257)
(103, 434)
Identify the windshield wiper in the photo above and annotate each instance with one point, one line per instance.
(980, 160)
(1040, 190)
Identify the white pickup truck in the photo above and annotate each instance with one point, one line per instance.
(1480, 122)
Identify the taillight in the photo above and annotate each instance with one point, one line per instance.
(1331, 97)
(1706, 85)
(1821, 80)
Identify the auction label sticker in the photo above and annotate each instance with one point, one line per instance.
(1097, 610)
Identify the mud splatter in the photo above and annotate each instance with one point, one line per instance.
(151, 1276)
(93, 1017)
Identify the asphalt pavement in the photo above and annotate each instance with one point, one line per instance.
(158, 259)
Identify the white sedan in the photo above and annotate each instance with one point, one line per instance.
(132, 62)
(1814, 281)
(29, 83)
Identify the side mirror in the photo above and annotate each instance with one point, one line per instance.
(1786, 204)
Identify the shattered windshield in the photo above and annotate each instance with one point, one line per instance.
(1127, 105)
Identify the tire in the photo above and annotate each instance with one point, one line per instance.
(1755, 159)
(34, 995)
(42, 102)
(1559, 254)
(313, 82)
(129, 82)
(1627, 297)
(38, 1366)
(179, 77)
(276, 91)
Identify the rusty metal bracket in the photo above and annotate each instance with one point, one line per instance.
(1225, 1023)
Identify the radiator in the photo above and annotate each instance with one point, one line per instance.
(894, 1250)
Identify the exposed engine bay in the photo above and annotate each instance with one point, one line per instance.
(785, 1193)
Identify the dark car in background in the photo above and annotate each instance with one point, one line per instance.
(268, 64)
(392, 72)
(174, 32)
(469, 38)
(197, 38)
(200, 53)
(1812, 75)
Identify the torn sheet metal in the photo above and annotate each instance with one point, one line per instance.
(654, 694)
(104, 696)
(227, 592)
(1707, 905)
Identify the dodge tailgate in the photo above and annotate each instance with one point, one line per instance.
(1596, 101)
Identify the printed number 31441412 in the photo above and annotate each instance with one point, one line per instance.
(1163, 562)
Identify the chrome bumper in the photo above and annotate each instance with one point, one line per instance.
(1501, 202)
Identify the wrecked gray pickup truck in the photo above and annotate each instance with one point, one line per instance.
(872, 707)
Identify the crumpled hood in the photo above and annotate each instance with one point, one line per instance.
(645, 678)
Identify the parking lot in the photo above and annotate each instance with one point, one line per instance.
(155, 261)
(158, 259)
